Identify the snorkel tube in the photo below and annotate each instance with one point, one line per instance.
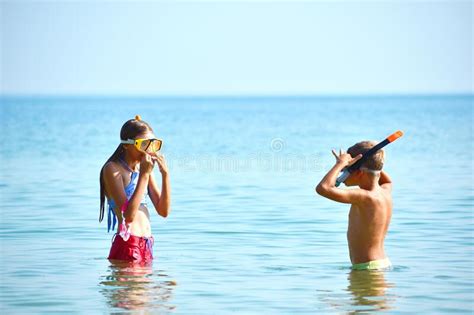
(348, 170)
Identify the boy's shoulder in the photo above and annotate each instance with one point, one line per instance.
(378, 196)
(365, 195)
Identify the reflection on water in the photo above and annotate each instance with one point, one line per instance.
(129, 286)
(369, 290)
(366, 292)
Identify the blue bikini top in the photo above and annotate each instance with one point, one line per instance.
(129, 190)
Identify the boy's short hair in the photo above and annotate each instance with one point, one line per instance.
(375, 162)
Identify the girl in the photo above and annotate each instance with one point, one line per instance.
(125, 179)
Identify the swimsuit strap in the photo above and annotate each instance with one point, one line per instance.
(122, 161)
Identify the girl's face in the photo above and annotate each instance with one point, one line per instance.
(132, 151)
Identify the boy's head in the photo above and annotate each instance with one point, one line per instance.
(372, 166)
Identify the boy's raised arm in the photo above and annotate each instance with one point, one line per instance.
(327, 187)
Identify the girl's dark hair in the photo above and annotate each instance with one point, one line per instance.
(130, 130)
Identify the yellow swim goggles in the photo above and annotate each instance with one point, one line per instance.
(145, 145)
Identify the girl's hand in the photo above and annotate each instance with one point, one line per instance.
(160, 160)
(146, 164)
(344, 158)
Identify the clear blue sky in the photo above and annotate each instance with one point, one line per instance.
(261, 47)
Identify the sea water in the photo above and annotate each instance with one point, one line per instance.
(247, 233)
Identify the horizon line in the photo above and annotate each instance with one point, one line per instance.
(233, 96)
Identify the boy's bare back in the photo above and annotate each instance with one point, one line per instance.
(368, 225)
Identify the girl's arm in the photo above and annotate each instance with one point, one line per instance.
(146, 167)
(134, 203)
(161, 201)
(114, 184)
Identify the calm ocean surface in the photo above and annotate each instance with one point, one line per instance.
(247, 233)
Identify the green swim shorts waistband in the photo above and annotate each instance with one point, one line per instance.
(373, 265)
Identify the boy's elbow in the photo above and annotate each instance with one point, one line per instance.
(321, 189)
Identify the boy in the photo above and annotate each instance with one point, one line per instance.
(371, 205)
